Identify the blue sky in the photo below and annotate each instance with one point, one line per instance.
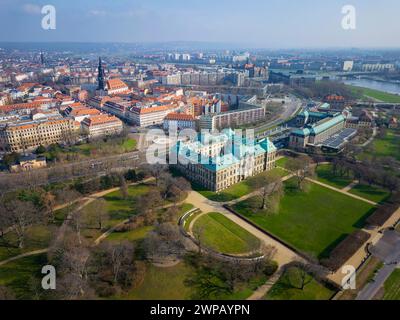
(257, 23)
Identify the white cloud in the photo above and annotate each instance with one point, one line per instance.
(98, 13)
(31, 8)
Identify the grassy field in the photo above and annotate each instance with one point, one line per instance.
(162, 284)
(140, 233)
(223, 235)
(373, 193)
(286, 288)
(376, 94)
(190, 219)
(120, 208)
(392, 286)
(325, 174)
(91, 149)
(169, 284)
(236, 191)
(281, 162)
(314, 221)
(23, 276)
(37, 237)
(134, 235)
(387, 146)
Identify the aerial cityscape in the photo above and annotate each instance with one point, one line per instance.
(173, 150)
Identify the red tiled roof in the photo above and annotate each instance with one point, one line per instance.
(179, 116)
(100, 119)
(150, 109)
(114, 84)
(23, 106)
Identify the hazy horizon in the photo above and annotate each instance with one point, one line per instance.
(258, 24)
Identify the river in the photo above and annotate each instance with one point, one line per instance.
(385, 86)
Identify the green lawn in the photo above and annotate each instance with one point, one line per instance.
(325, 174)
(282, 162)
(162, 284)
(387, 146)
(392, 286)
(314, 221)
(120, 208)
(169, 284)
(223, 235)
(129, 145)
(373, 193)
(236, 191)
(134, 235)
(37, 237)
(190, 219)
(93, 149)
(22, 276)
(287, 288)
(140, 233)
(376, 94)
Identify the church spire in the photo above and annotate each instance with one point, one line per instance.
(101, 76)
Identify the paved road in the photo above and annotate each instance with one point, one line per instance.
(388, 250)
(289, 110)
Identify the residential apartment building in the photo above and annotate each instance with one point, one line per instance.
(29, 134)
(231, 119)
(80, 112)
(144, 116)
(101, 125)
(179, 121)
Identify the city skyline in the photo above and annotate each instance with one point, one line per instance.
(259, 24)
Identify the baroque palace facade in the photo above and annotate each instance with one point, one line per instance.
(218, 161)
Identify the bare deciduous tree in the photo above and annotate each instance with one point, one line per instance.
(302, 168)
(21, 215)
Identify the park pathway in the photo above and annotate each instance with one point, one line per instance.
(86, 200)
(283, 254)
(23, 255)
(359, 257)
(256, 192)
(260, 292)
(350, 186)
(113, 228)
(341, 191)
